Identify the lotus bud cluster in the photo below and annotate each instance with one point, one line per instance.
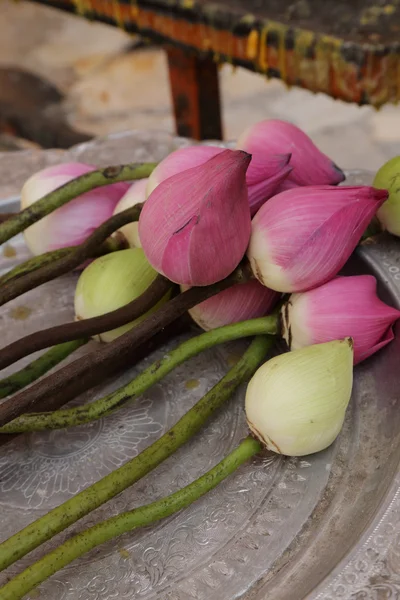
(72, 223)
(301, 238)
(296, 402)
(112, 281)
(274, 203)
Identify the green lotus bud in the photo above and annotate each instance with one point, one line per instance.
(388, 178)
(296, 402)
(112, 281)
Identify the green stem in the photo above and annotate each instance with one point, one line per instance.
(69, 191)
(116, 482)
(78, 415)
(85, 541)
(70, 260)
(15, 382)
(36, 262)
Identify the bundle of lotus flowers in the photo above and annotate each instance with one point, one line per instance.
(251, 243)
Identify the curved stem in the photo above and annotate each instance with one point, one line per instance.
(93, 368)
(52, 402)
(71, 417)
(97, 494)
(36, 262)
(71, 260)
(104, 531)
(89, 181)
(15, 382)
(87, 327)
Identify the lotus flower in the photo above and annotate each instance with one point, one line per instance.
(71, 224)
(238, 303)
(136, 194)
(263, 178)
(345, 306)
(301, 238)
(112, 281)
(272, 136)
(195, 226)
(296, 402)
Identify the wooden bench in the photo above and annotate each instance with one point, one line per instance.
(348, 49)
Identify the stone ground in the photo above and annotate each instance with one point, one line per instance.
(111, 88)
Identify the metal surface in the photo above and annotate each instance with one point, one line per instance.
(322, 527)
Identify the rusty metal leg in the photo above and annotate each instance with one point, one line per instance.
(195, 95)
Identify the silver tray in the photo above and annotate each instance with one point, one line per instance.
(324, 527)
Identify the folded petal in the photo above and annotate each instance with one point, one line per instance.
(273, 136)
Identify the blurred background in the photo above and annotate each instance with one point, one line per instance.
(64, 80)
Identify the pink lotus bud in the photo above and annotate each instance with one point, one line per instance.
(136, 194)
(263, 179)
(238, 303)
(272, 136)
(178, 161)
(195, 226)
(302, 238)
(343, 307)
(71, 224)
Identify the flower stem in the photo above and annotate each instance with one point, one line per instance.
(50, 401)
(97, 494)
(71, 417)
(69, 191)
(87, 327)
(15, 382)
(92, 369)
(71, 260)
(143, 516)
(36, 262)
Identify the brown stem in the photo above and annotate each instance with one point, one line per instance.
(72, 260)
(5, 216)
(53, 402)
(112, 244)
(87, 327)
(90, 370)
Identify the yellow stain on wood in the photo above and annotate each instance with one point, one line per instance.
(125, 554)
(252, 44)
(117, 13)
(372, 14)
(80, 7)
(134, 10)
(282, 54)
(389, 9)
(188, 4)
(263, 53)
